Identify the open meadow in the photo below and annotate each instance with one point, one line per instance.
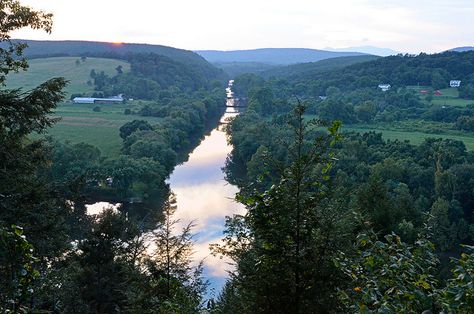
(412, 132)
(414, 137)
(79, 123)
(73, 69)
(449, 97)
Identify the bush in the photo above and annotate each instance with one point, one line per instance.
(96, 109)
(127, 111)
(76, 95)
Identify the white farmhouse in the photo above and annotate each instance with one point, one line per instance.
(454, 83)
(384, 87)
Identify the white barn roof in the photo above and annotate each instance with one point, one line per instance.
(93, 100)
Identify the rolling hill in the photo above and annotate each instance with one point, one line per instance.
(41, 48)
(234, 69)
(43, 69)
(310, 68)
(281, 56)
(46, 48)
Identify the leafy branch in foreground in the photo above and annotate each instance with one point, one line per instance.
(390, 276)
(17, 270)
(14, 16)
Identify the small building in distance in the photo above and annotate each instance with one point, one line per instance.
(454, 83)
(384, 87)
(93, 100)
(437, 93)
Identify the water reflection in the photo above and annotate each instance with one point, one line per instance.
(205, 197)
(97, 208)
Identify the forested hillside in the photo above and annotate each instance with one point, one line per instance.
(326, 65)
(234, 69)
(419, 91)
(400, 71)
(151, 73)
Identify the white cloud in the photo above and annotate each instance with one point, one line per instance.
(210, 24)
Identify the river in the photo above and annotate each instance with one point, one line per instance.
(204, 197)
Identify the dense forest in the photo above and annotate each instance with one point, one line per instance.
(151, 74)
(335, 222)
(347, 222)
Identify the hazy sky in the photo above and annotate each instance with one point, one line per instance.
(405, 25)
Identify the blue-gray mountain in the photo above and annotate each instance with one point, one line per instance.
(277, 56)
(462, 49)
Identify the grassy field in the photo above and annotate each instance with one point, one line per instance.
(79, 123)
(413, 136)
(450, 96)
(41, 70)
(412, 133)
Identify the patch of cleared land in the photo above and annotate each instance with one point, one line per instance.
(41, 70)
(413, 136)
(79, 123)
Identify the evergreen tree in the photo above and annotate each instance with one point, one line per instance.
(25, 199)
(285, 243)
(172, 284)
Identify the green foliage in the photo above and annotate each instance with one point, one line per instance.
(390, 276)
(16, 16)
(17, 270)
(300, 69)
(465, 123)
(458, 296)
(174, 285)
(245, 82)
(25, 198)
(152, 73)
(284, 245)
(128, 128)
(389, 185)
(234, 69)
(103, 261)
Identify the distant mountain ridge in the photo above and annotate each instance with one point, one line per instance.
(462, 49)
(277, 56)
(78, 47)
(372, 50)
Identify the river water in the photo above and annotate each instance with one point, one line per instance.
(204, 197)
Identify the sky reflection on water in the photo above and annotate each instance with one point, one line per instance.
(203, 196)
